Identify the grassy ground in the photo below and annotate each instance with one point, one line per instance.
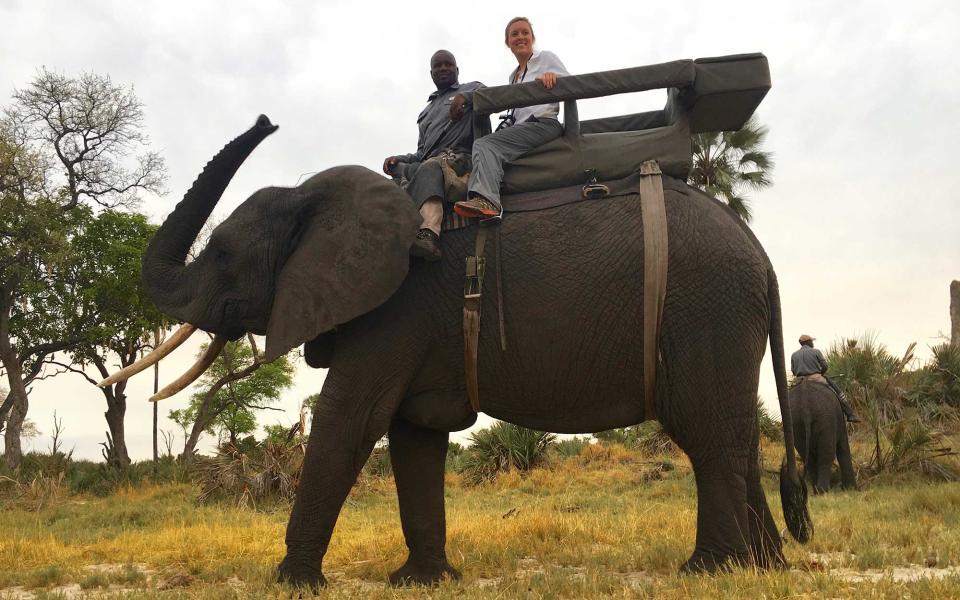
(608, 523)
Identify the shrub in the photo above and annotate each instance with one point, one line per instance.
(647, 437)
(378, 465)
(902, 407)
(938, 382)
(910, 445)
(269, 474)
(569, 447)
(504, 447)
(456, 457)
(770, 428)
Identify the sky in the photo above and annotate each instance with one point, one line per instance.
(861, 223)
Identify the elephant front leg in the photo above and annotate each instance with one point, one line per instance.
(335, 454)
(418, 457)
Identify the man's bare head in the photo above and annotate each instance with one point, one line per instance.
(443, 69)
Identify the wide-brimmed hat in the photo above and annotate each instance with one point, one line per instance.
(806, 338)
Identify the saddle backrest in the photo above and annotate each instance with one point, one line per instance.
(707, 94)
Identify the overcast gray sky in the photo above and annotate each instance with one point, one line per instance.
(861, 223)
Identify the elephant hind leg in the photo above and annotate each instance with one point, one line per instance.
(722, 524)
(826, 452)
(712, 414)
(718, 448)
(848, 477)
(766, 547)
(419, 456)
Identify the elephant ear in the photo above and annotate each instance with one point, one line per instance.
(350, 256)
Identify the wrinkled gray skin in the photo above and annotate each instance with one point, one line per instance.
(820, 434)
(572, 290)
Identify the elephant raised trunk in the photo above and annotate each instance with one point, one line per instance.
(166, 277)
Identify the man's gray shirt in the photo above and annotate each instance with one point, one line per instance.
(437, 131)
(807, 361)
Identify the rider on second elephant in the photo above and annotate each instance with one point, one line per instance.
(808, 364)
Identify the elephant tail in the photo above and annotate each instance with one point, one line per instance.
(793, 490)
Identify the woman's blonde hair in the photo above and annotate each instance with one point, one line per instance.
(506, 31)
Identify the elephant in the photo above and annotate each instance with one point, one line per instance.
(326, 264)
(820, 434)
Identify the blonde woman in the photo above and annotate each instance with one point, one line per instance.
(523, 130)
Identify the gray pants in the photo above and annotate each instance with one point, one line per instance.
(492, 151)
(423, 180)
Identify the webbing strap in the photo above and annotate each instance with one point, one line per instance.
(472, 291)
(654, 216)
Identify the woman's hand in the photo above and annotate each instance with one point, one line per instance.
(457, 107)
(549, 79)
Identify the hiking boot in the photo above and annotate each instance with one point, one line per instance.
(848, 409)
(426, 246)
(477, 206)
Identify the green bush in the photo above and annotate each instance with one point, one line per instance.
(504, 447)
(456, 457)
(269, 474)
(648, 437)
(378, 465)
(938, 382)
(904, 408)
(85, 476)
(570, 447)
(770, 428)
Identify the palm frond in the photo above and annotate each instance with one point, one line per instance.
(741, 206)
(761, 160)
(724, 163)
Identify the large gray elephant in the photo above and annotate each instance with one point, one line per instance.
(820, 435)
(326, 263)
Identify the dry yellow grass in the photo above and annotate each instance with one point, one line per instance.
(608, 523)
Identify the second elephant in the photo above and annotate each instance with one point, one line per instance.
(820, 434)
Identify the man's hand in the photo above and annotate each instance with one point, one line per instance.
(549, 79)
(457, 107)
(389, 163)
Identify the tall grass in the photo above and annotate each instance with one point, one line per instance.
(604, 524)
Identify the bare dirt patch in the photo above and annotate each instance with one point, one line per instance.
(896, 574)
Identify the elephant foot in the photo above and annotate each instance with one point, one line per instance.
(423, 572)
(705, 563)
(301, 573)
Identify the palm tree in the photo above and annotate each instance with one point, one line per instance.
(725, 163)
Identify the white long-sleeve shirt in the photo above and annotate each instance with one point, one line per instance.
(540, 62)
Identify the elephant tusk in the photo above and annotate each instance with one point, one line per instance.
(194, 372)
(179, 337)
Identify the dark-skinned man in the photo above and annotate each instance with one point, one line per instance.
(808, 363)
(441, 138)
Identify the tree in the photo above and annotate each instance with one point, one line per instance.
(238, 383)
(101, 297)
(65, 144)
(727, 163)
(33, 242)
(94, 129)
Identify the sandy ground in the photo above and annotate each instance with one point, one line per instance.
(527, 567)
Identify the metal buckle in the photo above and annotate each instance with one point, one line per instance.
(473, 284)
(593, 190)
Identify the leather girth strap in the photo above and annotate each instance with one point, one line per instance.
(472, 290)
(654, 217)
